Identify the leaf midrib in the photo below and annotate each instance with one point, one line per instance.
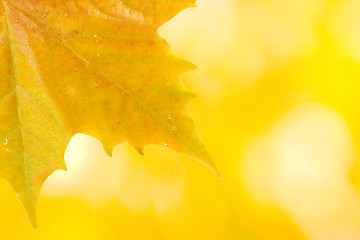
(26, 174)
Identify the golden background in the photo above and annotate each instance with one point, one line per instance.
(278, 108)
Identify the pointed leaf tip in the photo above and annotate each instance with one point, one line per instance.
(140, 150)
(31, 212)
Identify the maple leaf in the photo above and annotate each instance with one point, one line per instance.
(96, 67)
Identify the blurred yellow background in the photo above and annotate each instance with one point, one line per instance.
(278, 108)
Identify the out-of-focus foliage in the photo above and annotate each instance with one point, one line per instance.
(278, 107)
(93, 67)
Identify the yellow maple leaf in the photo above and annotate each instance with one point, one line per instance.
(95, 67)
